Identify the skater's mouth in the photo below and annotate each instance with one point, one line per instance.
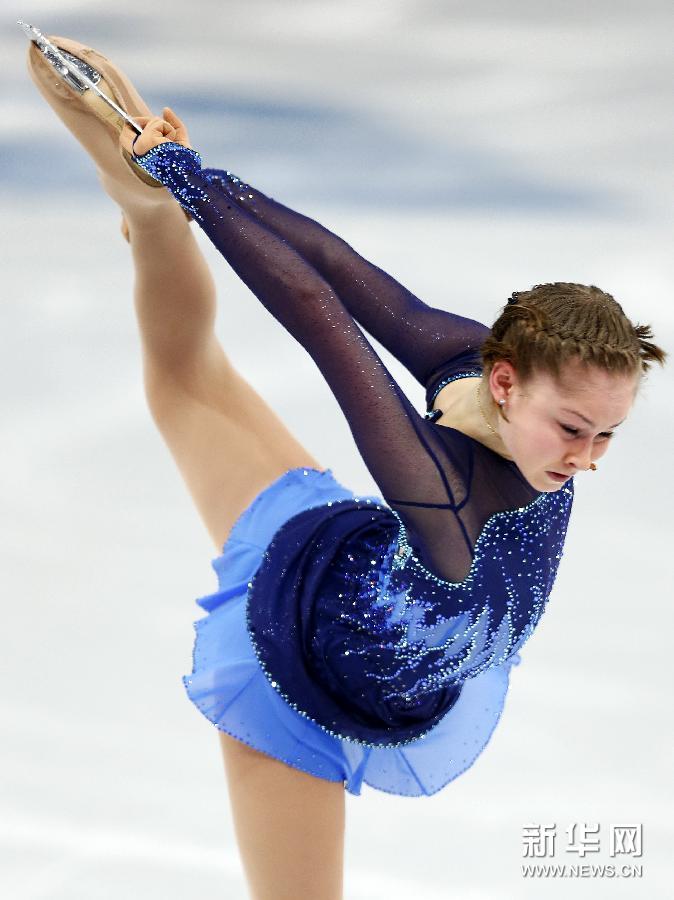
(557, 476)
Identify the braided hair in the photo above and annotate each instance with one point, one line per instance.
(543, 328)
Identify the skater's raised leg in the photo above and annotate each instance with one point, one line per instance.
(227, 442)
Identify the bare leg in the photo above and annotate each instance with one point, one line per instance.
(289, 826)
(226, 440)
(228, 445)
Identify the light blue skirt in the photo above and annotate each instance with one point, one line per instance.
(230, 688)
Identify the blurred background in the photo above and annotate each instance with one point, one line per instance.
(468, 149)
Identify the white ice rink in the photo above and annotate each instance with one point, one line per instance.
(468, 149)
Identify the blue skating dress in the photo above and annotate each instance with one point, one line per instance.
(365, 639)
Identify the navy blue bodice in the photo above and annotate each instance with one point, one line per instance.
(356, 633)
(369, 614)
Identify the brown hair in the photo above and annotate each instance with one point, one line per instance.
(541, 329)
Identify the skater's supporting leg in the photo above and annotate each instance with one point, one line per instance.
(289, 826)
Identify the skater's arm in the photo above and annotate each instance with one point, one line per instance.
(388, 431)
(420, 336)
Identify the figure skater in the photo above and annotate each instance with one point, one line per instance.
(351, 639)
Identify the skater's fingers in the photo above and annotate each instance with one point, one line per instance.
(161, 126)
(156, 131)
(171, 117)
(181, 135)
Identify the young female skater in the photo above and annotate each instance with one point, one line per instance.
(351, 639)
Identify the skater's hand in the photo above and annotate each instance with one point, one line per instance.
(156, 130)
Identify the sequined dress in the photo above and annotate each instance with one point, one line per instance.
(383, 627)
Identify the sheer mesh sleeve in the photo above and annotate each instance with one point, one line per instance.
(409, 461)
(423, 338)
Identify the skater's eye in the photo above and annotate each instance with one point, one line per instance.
(574, 431)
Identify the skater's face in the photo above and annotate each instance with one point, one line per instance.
(560, 425)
